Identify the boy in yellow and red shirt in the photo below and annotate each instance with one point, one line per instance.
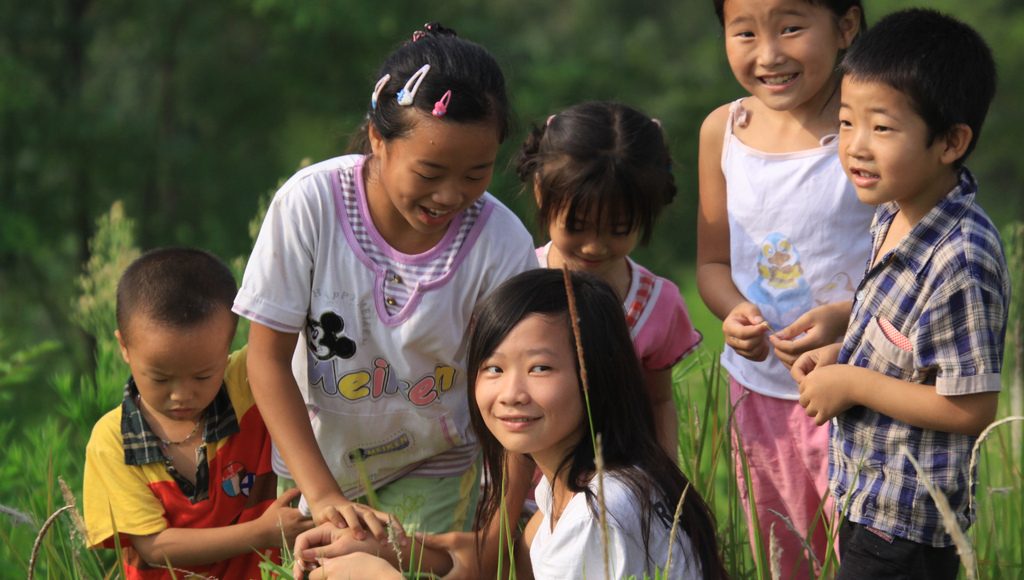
(182, 468)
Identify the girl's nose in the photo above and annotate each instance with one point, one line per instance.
(448, 196)
(513, 392)
(769, 53)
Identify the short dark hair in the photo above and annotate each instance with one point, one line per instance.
(619, 407)
(604, 156)
(838, 7)
(456, 64)
(942, 65)
(178, 287)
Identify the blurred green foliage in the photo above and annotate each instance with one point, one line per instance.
(189, 111)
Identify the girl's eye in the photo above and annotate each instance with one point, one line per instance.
(621, 230)
(539, 368)
(156, 380)
(845, 124)
(206, 378)
(882, 129)
(491, 370)
(475, 178)
(744, 34)
(792, 29)
(426, 177)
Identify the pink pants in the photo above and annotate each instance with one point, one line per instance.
(787, 457)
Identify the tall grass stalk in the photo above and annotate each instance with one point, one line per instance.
(963, 544)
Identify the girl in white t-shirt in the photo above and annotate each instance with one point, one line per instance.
(601, 173)
(527, 397)
(378, 259)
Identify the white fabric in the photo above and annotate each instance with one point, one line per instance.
(798, 236)
(574, 549)
(390, 389)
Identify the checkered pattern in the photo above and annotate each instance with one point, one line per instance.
(142, 446)
(643, 293)
(894, 335)
(944, 289)
(403, 276)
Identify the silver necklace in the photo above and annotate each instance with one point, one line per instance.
(191, 434)
(167, 442)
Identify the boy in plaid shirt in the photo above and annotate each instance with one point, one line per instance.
(920, 364)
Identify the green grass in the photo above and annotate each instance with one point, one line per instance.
(49, 445)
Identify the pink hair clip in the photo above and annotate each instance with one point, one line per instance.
(548, 122)
(441, 106)
(418, 35)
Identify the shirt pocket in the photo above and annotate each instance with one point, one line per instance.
(891, 350)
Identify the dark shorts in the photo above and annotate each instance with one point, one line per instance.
(865, 552)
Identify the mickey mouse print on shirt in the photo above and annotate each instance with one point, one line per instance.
(326, 339)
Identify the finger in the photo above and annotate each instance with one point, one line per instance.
(377, 527)
(288, 496)
(350, 515)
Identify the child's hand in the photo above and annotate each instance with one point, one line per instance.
(814, 359)
(283, 522)
(823, 394)
(329, 541)
(344, 513)
(460, 547)
(744, 329)
(355, 566)
(819, 326)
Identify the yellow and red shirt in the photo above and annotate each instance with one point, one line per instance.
(130, 484)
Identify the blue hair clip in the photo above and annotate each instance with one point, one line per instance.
(377, 89)
(408, 92)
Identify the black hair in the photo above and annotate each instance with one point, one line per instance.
(177, 287)
(942, 65)
(601, 156)
(838, 7)
(457, 65)
(619, 407)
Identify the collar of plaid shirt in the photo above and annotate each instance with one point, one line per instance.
(142, 446)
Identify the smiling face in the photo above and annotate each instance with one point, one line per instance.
(417, 183)
(783, 52)
(528, 391)
(884, 149)
(178, 371)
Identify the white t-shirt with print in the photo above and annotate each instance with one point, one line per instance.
(387, 391)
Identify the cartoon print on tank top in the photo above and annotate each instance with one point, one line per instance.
(780, 290)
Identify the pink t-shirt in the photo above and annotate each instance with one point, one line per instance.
(656, 313)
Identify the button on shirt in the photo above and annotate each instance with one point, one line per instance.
(932, 311)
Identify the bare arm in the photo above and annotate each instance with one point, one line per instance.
(666, 421)
(278, 526)
(743, 327)
(274, 387)
(714, 276)
(829, 390)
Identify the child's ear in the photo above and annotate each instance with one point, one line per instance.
(955, 143)
(849, 26)
(376, 140)
(123, 345)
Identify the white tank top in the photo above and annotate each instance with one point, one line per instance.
(798, 238)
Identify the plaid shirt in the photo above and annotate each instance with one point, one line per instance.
(142, 446)
(932, 311)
